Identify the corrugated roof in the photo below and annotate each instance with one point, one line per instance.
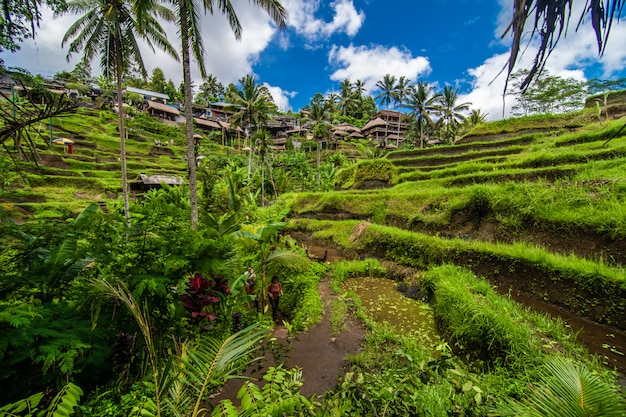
(147, 93)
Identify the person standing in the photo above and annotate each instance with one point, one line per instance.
(274, 292)
(250, 284)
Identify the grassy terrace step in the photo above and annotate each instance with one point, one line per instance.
(462, 148)
(583, 287)
(581, 214)
(436, 160)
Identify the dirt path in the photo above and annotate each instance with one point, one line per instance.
(318, 352)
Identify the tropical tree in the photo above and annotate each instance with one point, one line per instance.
(109, 29)
(319, 116)
(271, 258)
(346, 99)
(399, 96)
(551, 19)
(421, 101)
(387, 87)
(188, 12)
(157, 80)
(450, 112)
(19, 20)
(263, 142)
(252, 104)
(210, 90)
(547, 93)
(476, 116)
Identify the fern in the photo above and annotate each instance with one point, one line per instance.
(62, 404)
(280, 396)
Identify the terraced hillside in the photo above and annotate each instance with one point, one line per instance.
(536, 205)
(68, 182)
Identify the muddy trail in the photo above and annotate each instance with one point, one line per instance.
(318, 352)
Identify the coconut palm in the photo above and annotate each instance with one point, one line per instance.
(450, 111)
(421, 101)
(252, 104)
(551, 18)
(263, 143)
(387, 87)
(399, 97)
(188, 12)
(346, 99)
(109, 29)
(319, 116)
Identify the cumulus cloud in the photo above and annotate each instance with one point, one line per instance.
(346, 19)
(370, 64)
(281, 97)
(225, 57)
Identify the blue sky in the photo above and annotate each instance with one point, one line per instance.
(443, 42)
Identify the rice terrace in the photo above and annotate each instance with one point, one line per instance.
(194, 251)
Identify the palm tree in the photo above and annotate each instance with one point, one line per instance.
(550, 20)
(271, 259)
(476, 116)
(387, 87)
(109, 28)
(450, 111)
(252, 104)
(188, 12)
(263, 142)
(402, 90)
(346, 97)
(421, 100)
(318, 115)
(210, 89)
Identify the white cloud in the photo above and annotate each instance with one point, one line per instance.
(346, 19)
(225, 57)
(281, 97)
(357, 63)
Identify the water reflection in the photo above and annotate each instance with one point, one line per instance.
(384, 303)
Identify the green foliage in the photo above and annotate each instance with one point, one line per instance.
(62, 405)
(279, 396)
(470, 313)
(567, 389)
(373, 170)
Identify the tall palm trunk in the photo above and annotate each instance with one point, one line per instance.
(120, 112)
(191, 152)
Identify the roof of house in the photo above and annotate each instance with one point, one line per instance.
(158, 179)
(377, 122)
(162, 107)
(208, 123)
(147, 93)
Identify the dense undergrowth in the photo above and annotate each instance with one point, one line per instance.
(129, 320)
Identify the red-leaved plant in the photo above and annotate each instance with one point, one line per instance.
(202, 292)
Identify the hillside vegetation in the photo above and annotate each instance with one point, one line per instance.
(533, 206)
(536, 203)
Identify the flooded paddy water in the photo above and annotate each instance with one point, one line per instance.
(385, 304)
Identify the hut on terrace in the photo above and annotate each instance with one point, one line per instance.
(156, 109)
(149, 182)
(376, 129)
